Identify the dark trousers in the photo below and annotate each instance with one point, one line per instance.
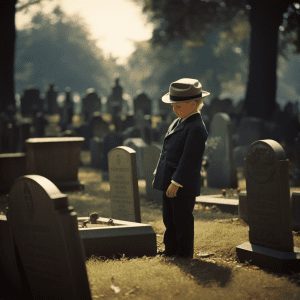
(179, 222)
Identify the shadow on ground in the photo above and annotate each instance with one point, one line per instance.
(204, 272)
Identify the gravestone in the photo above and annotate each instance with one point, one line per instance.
(115, 99)
(142, 103)
(96, 149)
(124, 192)
(12, 281)
(295, 206)
(268, 204)
(296, 169)
(150, 159)
(111, 140)
(56, 158)
(138, 145)
(91, 103)
(67, 112)
(46, 235)
(12, 166)
(221, 172)
(98, 127)
(51, 100)
(24, 133)
(31, 102)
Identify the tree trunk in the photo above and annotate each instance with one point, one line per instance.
(7, 54)
(265, 19)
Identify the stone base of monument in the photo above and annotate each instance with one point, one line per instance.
(228, 205)
(117, 238)
(274, 260)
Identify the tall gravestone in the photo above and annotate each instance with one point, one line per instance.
(46, 235)
(51, 100)
(221, 172)
(150, 159)
(268, 204)
(124, 192)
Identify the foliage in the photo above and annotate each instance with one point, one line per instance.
(58, 48)
(194, 19)
(222, 58)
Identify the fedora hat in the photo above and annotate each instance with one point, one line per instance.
(184, 89)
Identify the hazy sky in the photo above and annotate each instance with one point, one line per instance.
(116, 24)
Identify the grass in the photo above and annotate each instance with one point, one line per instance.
(214, 273)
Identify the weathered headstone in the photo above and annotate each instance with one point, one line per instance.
(150, 159)
(124, 192)
(57, 159)
(221, 172)
(268, 203)
(138, 145)
(46, 234)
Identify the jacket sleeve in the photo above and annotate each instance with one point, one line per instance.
(189, 165)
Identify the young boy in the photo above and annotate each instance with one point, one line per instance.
(178, 170)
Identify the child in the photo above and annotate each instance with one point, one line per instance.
(178, 170)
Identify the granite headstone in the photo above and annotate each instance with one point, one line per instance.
(124, 192)
(45, 231)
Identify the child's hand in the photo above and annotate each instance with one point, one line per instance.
(172, 190)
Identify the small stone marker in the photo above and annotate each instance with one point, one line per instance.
(268, 204)
(124, 193)
(47, 239)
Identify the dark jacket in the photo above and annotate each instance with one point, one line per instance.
(181, 156)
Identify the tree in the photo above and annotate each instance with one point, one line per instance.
(57, 48)
(7, 51)
(7, 36)
(193, 19)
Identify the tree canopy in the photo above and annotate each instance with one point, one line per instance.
(58, 49)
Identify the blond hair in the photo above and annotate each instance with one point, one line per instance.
(200, 104)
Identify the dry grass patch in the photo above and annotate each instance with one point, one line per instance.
(213, 274)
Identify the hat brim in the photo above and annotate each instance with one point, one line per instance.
(166, 98)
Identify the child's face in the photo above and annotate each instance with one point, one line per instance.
(184, 109)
